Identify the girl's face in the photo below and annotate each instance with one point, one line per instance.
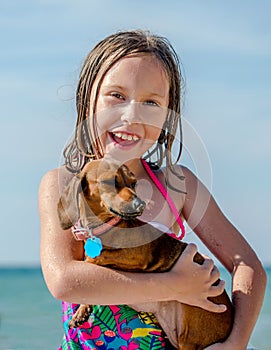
(131, 106)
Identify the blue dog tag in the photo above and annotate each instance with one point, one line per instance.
(93, 247)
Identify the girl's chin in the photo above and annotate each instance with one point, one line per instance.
(125, 152)
(118, 151)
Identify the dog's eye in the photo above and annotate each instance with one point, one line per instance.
(109, 182)
(133, 185)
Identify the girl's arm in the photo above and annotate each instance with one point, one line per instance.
(232, 250)
(70, 278)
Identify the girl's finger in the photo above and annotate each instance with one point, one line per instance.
(189, 251)
(215, 274)
(218, 289)
(210, 306)
(209, 264)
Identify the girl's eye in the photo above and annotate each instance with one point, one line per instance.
(117, 95)
(151, 103)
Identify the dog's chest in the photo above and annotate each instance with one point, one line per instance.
(142, 248)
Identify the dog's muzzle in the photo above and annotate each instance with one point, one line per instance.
(138, 205)
(132, 210)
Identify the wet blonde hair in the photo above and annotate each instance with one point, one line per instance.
(86, 145)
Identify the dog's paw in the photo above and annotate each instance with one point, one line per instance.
(81, 316)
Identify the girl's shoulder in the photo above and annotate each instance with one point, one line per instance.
(55, 180)
(181, 184)
(184, 177)
(51, 187)
(178, 177)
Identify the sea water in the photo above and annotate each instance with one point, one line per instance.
(30, 318)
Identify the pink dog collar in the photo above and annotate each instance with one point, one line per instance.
(81, 233)
(93, 244)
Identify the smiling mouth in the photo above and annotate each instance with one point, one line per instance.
(124, 138)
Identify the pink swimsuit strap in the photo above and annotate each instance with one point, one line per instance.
(165, 194)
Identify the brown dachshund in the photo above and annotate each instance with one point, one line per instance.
(105, 193)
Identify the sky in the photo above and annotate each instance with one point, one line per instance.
(225, 49)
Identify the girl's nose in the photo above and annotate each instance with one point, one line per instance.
(130, 113)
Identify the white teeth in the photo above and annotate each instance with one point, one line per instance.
(126, 136)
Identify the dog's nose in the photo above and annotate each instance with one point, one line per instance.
(138, 204)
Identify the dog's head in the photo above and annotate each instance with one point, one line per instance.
(101, 191)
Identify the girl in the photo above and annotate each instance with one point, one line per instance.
(128, 105)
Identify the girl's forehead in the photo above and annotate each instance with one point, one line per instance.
(142, 70)
(140, 61)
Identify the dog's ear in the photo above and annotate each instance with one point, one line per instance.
(67, 208)
(129, 176)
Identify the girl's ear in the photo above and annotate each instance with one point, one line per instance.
(67, 208)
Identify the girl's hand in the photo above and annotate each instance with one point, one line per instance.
(191, 283)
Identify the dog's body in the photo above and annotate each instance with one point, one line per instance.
(132, 245)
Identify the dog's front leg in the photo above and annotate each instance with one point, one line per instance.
(82, 315)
